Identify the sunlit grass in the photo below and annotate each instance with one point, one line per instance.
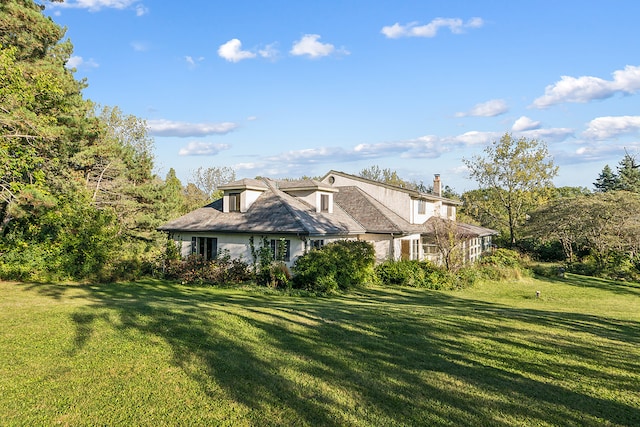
(155, 353)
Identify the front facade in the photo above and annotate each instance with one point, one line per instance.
(293, 217)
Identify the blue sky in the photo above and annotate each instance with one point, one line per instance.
(291, 88)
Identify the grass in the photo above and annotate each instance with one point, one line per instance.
(157, 353)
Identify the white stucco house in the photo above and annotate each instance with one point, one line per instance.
(401, 223)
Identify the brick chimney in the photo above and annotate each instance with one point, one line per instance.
(437, 185)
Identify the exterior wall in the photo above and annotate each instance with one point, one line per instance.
(312, 197)
(238, 244)
(247, 197)
(397, 201)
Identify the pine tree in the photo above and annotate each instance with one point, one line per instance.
(628, 174)
(607, 180)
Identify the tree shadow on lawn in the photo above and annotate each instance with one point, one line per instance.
(382, 356)
(618, 287)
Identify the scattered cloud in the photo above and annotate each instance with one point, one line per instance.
(185, 130)
(413, 29)
(492, 108)
(309, 46)
(232, 51)
(193, 62)
(270, 51)
(611, 127)
(79, 62)
(140, 46)
(525, 123)
(587, 88)
(198, 148)
(98, 5)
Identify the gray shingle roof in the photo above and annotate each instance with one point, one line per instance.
(374, 216)
(273, 212)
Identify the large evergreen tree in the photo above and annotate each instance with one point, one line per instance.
(75, 183)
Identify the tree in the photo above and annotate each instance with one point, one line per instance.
(209, 179)
(75, 184)
(606, 181)
(514, 177)
(602, 223)
(628, 177)
(386, 176)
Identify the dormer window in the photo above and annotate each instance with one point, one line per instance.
(234, 202)
(324, 203)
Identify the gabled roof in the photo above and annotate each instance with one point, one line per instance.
(411, 192)
(374, 216)
(274, 211)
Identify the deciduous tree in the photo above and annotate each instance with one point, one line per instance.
(515, 176)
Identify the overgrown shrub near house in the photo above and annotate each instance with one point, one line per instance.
(503, 264)
(220, 271)
(340, 265)
(422, 274)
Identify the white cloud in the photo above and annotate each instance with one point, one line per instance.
(612, 126)
(587, 88)
(197, 148)
(97, 5)
(412, 29)
(525, 123)
(193, 62)
(310, 46)
(183, 129)
(232, 51)
(270, 51)
(79, 62)
(491, 108)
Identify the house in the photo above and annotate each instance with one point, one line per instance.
(292, 217)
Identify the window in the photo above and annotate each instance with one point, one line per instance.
(205, 246)
(415, 249)
(317, 244)
(422, 207)
(234, 202)
(450, 211)
(324, 203)
(429, 248)
(281, 249)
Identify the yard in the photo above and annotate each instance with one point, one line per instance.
(158, 353)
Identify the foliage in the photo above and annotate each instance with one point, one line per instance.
(337, 266)
(627, 177)
(385, 176)
(421, 274)
(77, 195)
(209, 179)
(195, 269)
(514, 177)
(606, 225)
(503, 264)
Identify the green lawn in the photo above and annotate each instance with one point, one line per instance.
(156, 353)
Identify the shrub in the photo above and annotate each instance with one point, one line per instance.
(340, 265)
(423, 274)
(219, 271)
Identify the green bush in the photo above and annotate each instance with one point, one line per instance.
(423, 274)
(340, 265)
(220, 271)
